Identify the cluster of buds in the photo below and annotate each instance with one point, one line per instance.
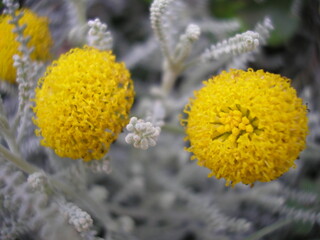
(98, 36)
(11, 6)
(38, 181)
(143, 134)
(27, 71)
(80, 219)
(186, 40)
(240, 43)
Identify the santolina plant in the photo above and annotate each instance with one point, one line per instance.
(36, 28)
(246, 126)
(82, 103)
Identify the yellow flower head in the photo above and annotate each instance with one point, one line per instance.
(37, 28)
(246, 126)
(82, 103)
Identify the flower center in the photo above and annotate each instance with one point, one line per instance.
(233, 122)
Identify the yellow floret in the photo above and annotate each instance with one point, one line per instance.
(269, 126)
(82, 103)
(37, 28)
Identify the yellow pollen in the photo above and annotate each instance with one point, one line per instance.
(230, 124)
(242, 126)
(235, 131)
(220, 129)
(223, 120)
(249, 128)
(222, 114)
(237, 113)
(235, 122)
(245, 120)
(227, 128)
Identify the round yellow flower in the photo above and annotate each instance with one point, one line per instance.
(37, 28)
(246, 126)
(82, 103)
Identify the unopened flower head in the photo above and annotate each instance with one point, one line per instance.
(40, 39)
(80, 219)
(98, 35)
(193, 32)
(246, 126)
(82, 103)
(143, 134)
(38, 181)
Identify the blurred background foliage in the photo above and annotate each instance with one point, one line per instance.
(251, 11)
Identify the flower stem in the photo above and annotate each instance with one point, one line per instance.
(168, 78)
(269, 229)
(17, 161)
(173, 129)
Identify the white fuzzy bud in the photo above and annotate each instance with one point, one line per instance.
(264, 29)
(240, 43)
(136, 138)
(151, 142)
(75, 216)
(158, 12)
(11, 7)
(144, 144)
(184, 46)
(38, 181)
(129, 138)
(130, 127)
(193, 32)
(143, 134)
(98, 36)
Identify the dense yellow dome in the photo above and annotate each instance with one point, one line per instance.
(82, 103)
(246, 126)
(37, 28)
